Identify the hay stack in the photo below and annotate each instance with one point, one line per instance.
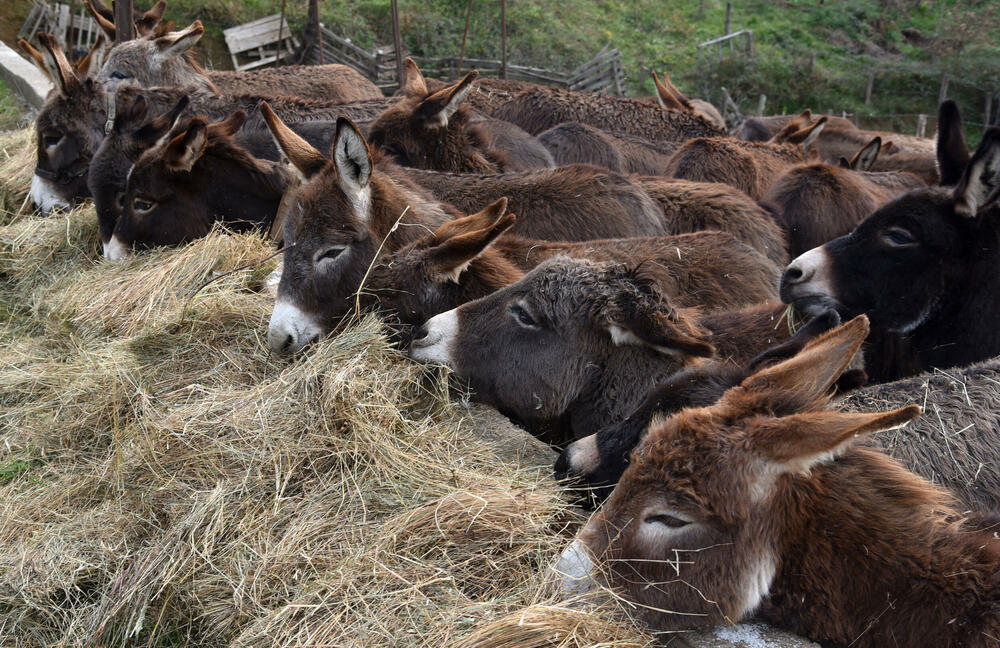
(165, 481)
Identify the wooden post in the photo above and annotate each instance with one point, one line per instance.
(503, 39)
(397, 42)
(69, 29)
(921, 125)
(987, 108)
(281, 40)
(944, 88)
(729, 17)
(465, 36)
(124, 21)
(761, 102)
(749, 43)
(870, 87)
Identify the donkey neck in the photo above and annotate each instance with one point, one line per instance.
(397, 202)
(241, 189)
(460, 147)
(870, 555)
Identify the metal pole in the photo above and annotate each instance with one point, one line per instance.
(503, 39)
(124, 21)
(465, 35)
(397, 42)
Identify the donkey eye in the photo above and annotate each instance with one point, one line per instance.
(898, 237)
(666, 520)
(522, 316)
(52, 140)
(142, 206)
(330, 253)
(118, 74)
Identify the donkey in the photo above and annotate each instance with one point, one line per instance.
(751, 167)
(952, 460)
(817, 202)
(436, 130)
(179, 189)
(348, 209)
(761, 129)
(134, 132)
(576, 143)
(540, 108)
(764, 502)
(921, 266)
(586, 341)
(671, 98)
(467, 258)
(79, 112)
(166, 58)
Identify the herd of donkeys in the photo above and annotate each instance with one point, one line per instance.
(722, 331)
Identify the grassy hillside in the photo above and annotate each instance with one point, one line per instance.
(814, 53)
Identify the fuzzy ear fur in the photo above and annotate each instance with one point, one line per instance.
(351, 155)
(148, 21)
(980, 184)
(952, 150)
(35, 55)
(803, 382)
(635, 317)
(91, 64)
(466, 239)
(104, 16)
(176, 43)
(60, 71)
(184, 150)
(670, 97)
(438, 108)
(414, 84)
(794, 444)
(804, 136)
(228, 126)
(151, 132)
(306, 159)
(865, 158)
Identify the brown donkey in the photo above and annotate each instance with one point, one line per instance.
(761, 503)
(179, 189)
(467, 258)
(751, 167)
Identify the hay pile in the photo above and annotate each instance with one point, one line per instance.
(164, 481)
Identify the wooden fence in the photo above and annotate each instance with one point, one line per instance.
(603, 73)
(54, 18)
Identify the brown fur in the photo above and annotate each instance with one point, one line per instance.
(179, 189)
(696, 206)
(912, 155)
(816, 203)
(761, 129)
(464, 260)
(751, 167)
(489, 93)
(575, 143)
(521, 151)
(759, 501)
(671, 98)
(540, 108)
(575, 203)
(332, 83)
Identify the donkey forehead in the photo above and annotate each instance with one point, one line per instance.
(322, 209)
(931, 209)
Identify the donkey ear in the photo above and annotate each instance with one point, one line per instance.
(806, 136)
(60, 71)
(980, 184)
(794, 444)
(676, 95)
(151, 132)
(952, 151)
(229, 126)
(351, 155)
(306, 160)
(104, 16)
(464, 242)
(865, 158)
(35, 55)
(176, 43)
(438, 108)
(805, 379)
(414, 84)
(148, 21)
(665, 98)
(638, 321)
(185, 149)
(91, 64)
(844, 163)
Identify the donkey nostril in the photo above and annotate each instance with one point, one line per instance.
(288, 344)
(794, 275)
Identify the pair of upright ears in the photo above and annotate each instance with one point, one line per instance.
(435, 107)
(801, 130)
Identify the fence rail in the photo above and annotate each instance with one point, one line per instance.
(604, 73)
(54, 18)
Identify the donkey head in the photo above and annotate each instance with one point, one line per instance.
(693, 532)
(160, 58)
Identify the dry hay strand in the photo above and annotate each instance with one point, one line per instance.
(17, 165)
(556, 625)
(165, 481)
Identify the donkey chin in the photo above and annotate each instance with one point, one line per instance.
(45, 195)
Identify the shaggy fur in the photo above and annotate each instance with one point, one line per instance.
(575, 143)
(539, 109)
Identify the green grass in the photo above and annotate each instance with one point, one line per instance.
(11, 108)
(808, 53)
